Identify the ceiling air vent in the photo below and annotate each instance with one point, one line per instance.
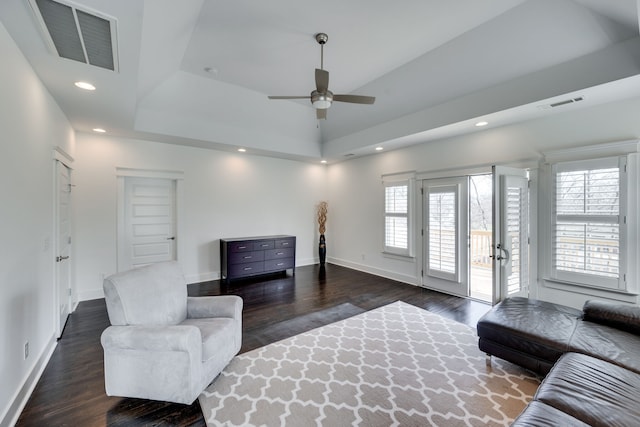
(566, 101)
(78, 34)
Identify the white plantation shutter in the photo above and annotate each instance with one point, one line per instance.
(396, 217)
(587, 236)
(443, 232)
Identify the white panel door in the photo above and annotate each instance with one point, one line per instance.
(149, 222)
(63, 245)
(510, 232)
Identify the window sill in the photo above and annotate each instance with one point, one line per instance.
(587, 289)
(399, 257)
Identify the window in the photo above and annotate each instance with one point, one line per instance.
(396, 218)
(588, 224)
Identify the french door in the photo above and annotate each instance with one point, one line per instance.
(461, 256)
(445, 229)
(510, 233)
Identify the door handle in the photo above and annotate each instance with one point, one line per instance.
(171, 238)
(499, 256)
(61, 258)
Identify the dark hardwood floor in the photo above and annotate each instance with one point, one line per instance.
(71, 389)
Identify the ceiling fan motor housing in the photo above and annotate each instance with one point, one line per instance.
(321, 101)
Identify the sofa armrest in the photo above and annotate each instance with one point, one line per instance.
(214, 306)
(623, 317)
(186, 338)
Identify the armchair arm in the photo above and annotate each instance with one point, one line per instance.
(214, 306)
(185, 338)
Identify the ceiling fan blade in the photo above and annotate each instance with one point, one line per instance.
(322, 80)
(321, 113)
(290, 97)
(355, 99)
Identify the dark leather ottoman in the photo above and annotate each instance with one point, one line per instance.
(530, 333)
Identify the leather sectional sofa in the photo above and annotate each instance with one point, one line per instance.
(591, 359)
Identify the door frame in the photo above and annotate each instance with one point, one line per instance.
(177, 177)
(63, 158)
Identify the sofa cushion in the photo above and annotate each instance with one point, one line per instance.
(154, 295)
(607, 343)
(538, 414)
(592, 390)
(530, 327)
(623, 317)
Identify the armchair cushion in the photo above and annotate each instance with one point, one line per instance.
(215, 333)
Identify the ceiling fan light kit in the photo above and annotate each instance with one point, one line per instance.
(321, 98)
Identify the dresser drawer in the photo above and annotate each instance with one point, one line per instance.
(262, 245)
(285, 243)
(245, 257)
(237, 270)
(278, 264)
(278, 253)
(240, 246)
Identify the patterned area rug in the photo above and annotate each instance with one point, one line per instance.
(397, 365)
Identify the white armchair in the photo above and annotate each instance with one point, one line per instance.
(164, 345)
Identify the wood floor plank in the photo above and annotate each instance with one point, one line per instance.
(71, 389)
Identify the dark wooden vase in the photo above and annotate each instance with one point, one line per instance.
(322, 250)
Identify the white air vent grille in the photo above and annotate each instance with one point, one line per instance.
(78, 34)
(566, 101)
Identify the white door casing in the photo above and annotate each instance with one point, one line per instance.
(63, 245)
(510, 252)
(148, 222)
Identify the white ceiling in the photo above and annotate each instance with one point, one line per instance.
(435, 67)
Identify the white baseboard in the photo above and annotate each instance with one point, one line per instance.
(21, 397)
(202, 277)
(404, 278)
(90, 294)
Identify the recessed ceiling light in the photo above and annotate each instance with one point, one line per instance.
(323, 161)
(99, 130)
(85, 85)
(379, 148)
(480, 124)
(242, 150)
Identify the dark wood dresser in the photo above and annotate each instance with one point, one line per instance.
(250, 256)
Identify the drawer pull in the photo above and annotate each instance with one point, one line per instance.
(279, 253)
(280, 263)
(242, 247)
(285, 243)
(247, 257)
(248, 268)
(266, 245)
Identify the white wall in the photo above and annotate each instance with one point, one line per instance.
(225, 195)
(31, 126)
(354, 232)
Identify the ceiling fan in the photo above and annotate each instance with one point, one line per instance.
(322, 97)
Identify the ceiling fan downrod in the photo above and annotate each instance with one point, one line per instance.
(322, 38)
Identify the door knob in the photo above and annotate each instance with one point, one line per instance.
(171, 238)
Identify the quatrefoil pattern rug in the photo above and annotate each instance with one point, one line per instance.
(397, 365)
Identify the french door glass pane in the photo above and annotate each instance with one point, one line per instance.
(442, 232)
